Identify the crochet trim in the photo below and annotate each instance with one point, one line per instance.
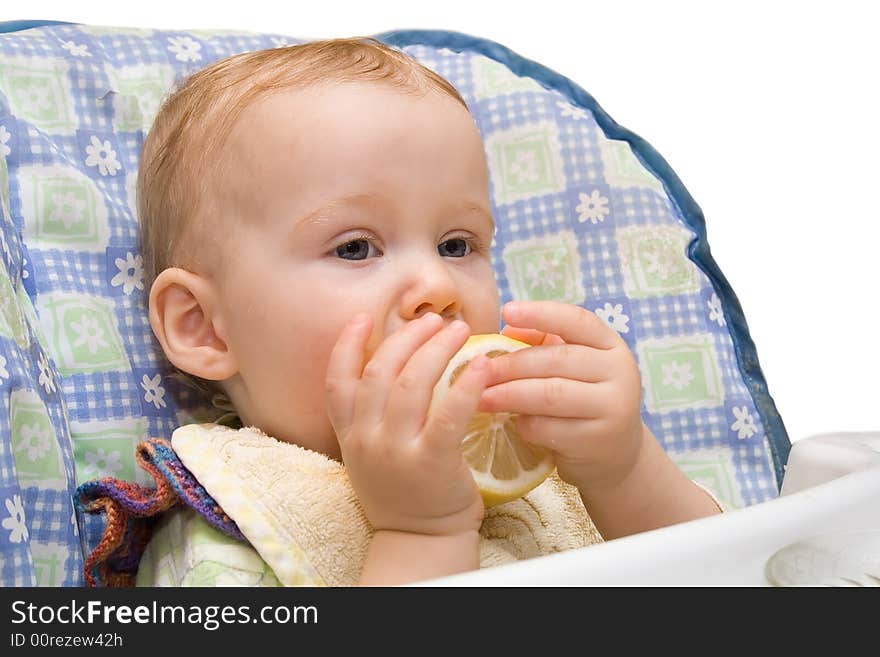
(132, 511)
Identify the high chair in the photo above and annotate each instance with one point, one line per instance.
(587, 212)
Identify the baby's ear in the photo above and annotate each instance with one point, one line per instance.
(182, 314)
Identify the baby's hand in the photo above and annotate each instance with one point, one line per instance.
(406, 468)
(578, 390)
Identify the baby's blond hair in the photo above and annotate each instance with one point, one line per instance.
(183, 146)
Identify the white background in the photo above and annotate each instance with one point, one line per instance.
(768, 112)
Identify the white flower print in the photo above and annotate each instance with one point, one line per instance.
(568, 109)
(35, 441)
(67, 208)
(185, 49)
(676, 375)
(592, 208)
(744, 424)
(101, 462)
(4, 139)
(18, 531)
(716, 314)
(89, 333)
(81, 50)
(4, 373)
(102, 156)
(525, 167)
(47, 379)
(38, 95)
(131, 273)
(74, 523)
(614, 317)
(25, 274)
(154, 393)
(544, 273)
(660, 262)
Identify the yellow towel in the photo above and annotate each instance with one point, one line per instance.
(300, 512)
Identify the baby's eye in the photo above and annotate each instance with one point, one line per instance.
(457, 247)
(358, 249)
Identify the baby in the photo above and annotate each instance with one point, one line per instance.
(316, 227)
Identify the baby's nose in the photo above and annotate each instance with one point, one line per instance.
(449, 313)
(427, 286)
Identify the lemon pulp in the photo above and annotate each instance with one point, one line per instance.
(504, 466)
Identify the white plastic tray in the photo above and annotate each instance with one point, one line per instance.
(831, 484)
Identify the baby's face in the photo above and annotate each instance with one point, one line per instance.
(344, 199)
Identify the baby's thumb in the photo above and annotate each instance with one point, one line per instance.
(453, 415)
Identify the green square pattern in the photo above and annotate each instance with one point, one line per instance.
(49, 563)
(12, 322)
(65, 208)
(542, 269)
(140, 92)
(654, 261)
(39, 93)
(107, 449)
(34, 444)
(66, 212)
(623, 169)
(526, 162)
(494, 79)
(83, 334)
(680, 373)
(715, 470)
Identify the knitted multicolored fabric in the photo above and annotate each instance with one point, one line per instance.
(133, 510)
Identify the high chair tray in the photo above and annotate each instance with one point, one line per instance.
(832, 485)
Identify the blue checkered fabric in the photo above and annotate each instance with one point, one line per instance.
(587, 213)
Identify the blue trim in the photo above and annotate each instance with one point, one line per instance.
(698, 250)
(15, 26)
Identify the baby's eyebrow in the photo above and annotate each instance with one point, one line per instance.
(315, 217)
(319, 215)
(476, 208)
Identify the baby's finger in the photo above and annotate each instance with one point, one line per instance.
(529, 336)
(534, 338)
(568, 361)
(575, 325)
(412, 391)
(386, 364)
(344, 371)
(554, 397)
(552, 433)
(450, 419)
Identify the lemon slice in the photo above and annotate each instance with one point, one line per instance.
(504, 466)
